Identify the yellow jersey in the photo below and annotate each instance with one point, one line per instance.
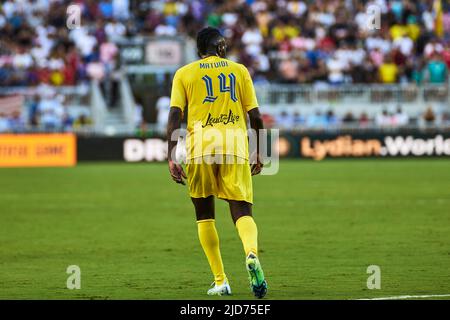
(218, 94)
(388, 72)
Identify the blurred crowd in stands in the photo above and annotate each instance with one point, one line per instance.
(36, 46)
(47, 111)
(329, 120)
(285, 41)
(280, 41)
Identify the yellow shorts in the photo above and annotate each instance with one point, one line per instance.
(230, 181)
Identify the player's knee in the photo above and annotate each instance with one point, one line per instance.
(237, 216)
(239, 209)
(204, 216)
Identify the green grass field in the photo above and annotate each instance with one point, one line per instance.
(133, 234)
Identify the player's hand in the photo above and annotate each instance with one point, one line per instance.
(177, 172)
(257, 167)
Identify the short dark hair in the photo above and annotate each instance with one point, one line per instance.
(207, 39)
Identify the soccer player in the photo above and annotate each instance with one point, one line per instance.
(219, 94)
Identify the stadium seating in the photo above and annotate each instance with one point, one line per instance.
(305, 57)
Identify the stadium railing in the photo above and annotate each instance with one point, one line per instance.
(282, 94)
(98, 107)
(128, 103)
(272, 97)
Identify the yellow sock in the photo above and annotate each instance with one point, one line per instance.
(248, 232)
(209, 240)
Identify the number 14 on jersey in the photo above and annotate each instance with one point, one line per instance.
(223, 87)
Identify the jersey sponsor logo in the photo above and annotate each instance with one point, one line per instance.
(222, 118)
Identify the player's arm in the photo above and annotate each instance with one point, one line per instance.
(177, 102)
(250, 104)
(173, 126)
(256, 124)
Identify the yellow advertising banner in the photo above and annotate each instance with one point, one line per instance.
(38, 150)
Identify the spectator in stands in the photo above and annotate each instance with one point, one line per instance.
(336, 67)
(284, 120)
(437, 70)
(405, 44)
(349, 118)
(115, 29)
(252, 40)
(4, 123)
(298, 120)
(82, 121)
(33, 111)
(383, 119)
(16, 122)
(389, 71)
(121, 9)
(364, 120)
(51, 112)
(316, 120)
(429, 117)
(106, 8)
(67, 121)
(400, 118)
(445, 118)
(417, 71)
(288, 70)
(446, 53)
(413, 28)
(433, 47)
(331, 119)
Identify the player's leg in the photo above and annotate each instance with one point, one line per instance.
(241, 213)
(204, 208)
(209, 239)
(202, 188)
(235, 185)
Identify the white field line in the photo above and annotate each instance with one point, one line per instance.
(409, 297)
